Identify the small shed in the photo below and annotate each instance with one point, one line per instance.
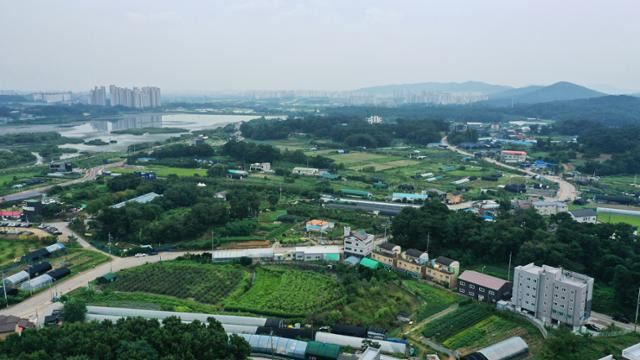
(55, 247)
(37, 269)
(35, 255)
(369, 263)
(322, 351)
(352, 260)
(59, 273)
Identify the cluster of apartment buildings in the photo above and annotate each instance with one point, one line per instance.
(138, 98)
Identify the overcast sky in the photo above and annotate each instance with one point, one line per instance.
(314, 44)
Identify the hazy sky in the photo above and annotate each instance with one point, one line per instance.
(342, 44)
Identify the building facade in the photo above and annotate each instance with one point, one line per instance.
(589, 216)
(553, 295)
(550, 207)
(357, 243)
(386, 253)
(483, 287)
(443, 271)
(513, 156)
(412, 262)
(305, 171)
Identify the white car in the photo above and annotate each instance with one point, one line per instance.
(141, 255)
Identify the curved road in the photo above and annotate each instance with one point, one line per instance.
(566, 191)
(89, 175)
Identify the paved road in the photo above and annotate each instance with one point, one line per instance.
(89, 175)
(606, 320)
(40, 304)
(566, 191)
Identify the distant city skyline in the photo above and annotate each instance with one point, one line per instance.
(205, 46)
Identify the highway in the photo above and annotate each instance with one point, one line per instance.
(89, 175)
(566, 191)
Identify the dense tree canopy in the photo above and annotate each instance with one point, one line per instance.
(128, 339)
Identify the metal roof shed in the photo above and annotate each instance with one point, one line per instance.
(369, 263)
(59, 273)
(55, 247)
(323, 351)
(37, 269)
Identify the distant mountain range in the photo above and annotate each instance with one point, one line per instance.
(494, 95)
(435, 87)
(560, 91)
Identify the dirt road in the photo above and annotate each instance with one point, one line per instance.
(566, 191)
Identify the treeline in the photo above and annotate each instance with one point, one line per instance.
(350, 131)
(130, 339)
(9, 158)
(248, 152)
(608, 252)
(594, 139)
(39, 138)
(184, 212)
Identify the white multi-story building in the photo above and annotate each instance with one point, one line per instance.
(98, 96)
(357, 243)
(513, 156)
(374, 119)
(550, 207)
(139, 98)
(552, 295)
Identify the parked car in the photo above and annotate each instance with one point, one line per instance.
(621, 318)
(140, 255)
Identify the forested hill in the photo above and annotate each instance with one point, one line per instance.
(560, 91)
(609, 110)
(451, 87)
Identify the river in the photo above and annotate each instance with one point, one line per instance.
(103, 129)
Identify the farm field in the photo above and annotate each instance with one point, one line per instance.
(78, 260)
(493, 329)
(206, 283)
(432, 300)
(15, 247)
(454, 322)
(287, 292)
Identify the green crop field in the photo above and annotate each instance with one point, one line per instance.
(287, 292)
(206, 283)
(454, 322)
(78, 260)
(494, 329)
(432, 299)
(619, 218)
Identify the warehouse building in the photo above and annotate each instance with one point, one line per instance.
(357, 243)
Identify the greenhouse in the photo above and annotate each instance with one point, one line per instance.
(37, 283)
(17, 278)
(265, 344)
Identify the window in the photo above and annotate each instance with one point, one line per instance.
(491, 292)
(462, 291)
(471, 286)
(471, 293)
(480, 288)
(462, 283)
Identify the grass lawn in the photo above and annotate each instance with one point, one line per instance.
(287, 292)
(205, 283)
(619, 218)
(164, 171)
(432, 300)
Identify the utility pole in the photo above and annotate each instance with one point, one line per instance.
(4, 288)
(211, 245)
(428, 241)
(509, 268)
(635, 323)
(110, 258)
